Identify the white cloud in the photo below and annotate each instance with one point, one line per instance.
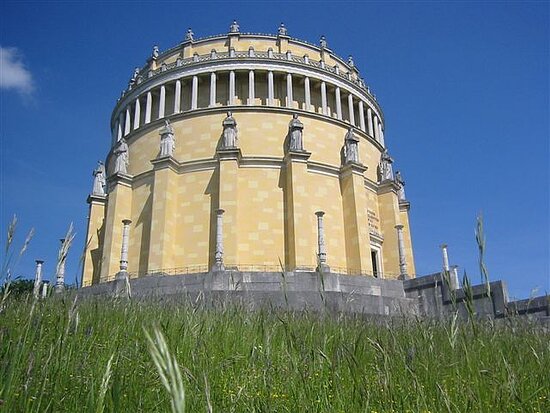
(13, 73)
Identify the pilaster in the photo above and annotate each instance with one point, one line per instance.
(404, 207)
(163, 214)
(299, 241)
(388, 207)
(91, 268)
(119, 207)
(355, 207)
(228, 196)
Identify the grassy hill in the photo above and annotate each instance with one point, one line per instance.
(61, 355)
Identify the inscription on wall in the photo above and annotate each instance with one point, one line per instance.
(374, 222)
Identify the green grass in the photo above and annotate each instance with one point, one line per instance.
(94, 356)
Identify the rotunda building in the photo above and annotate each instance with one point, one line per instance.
(247, 152)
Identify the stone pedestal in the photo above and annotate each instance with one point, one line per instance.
(299, 241)
(228, 201)
(389, 214)
(355, 206)
(94, 240)
(163, 214)
(119, 207)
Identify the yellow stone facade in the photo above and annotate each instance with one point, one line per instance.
(269, 193)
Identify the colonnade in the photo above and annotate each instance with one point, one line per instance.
(239, 87)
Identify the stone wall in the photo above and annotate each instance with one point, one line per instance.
(426, 297)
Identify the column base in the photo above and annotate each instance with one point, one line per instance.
(218, 267)
(323, 268)
(121, 285)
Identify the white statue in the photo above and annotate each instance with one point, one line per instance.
(189, 35)
(122, 159)
(234, 28)
(167, 141)
(401, 191)
(135, 75)
(296, 130)
(323, 42)
(385, 167)
(351, 63)
(229, 132)
(99, 179)
(282, 31)
(155, 52)
(351, 152)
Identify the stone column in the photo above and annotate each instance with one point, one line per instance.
(369, 122)
(401, 249)
(213, 79)
(231, 88)
(137, 114)
(350, 108)
(114, 132)
(381, 135)
(324, 97)
(194, 92)
(148, 107)
(44, 293)
(162, 101)
(60, 275)
(445, 257)
(218, 263)
(361, 116)
(338, 103)
(177, 97)
(270, 89)
(454, 281)
(127, 125)
(120, 125)
(37, 278)
(307, 93)
(289, 97)
(321, 247)
(124, 248)
(251, 91)
(376, 128)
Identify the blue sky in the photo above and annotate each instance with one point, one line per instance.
(464, 88)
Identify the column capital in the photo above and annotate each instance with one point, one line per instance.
(404, 205)
(443, 246)
(228, 154)
(353, 168)
(388, 186)
(119, 178)
(165, 162)
(126, 221)
(96, 199)
(297, 156)
(399, 227)
(39, 262)
(320, 213)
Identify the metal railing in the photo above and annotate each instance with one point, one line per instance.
(201, 269)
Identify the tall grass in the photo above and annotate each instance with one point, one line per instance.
(61, 355)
